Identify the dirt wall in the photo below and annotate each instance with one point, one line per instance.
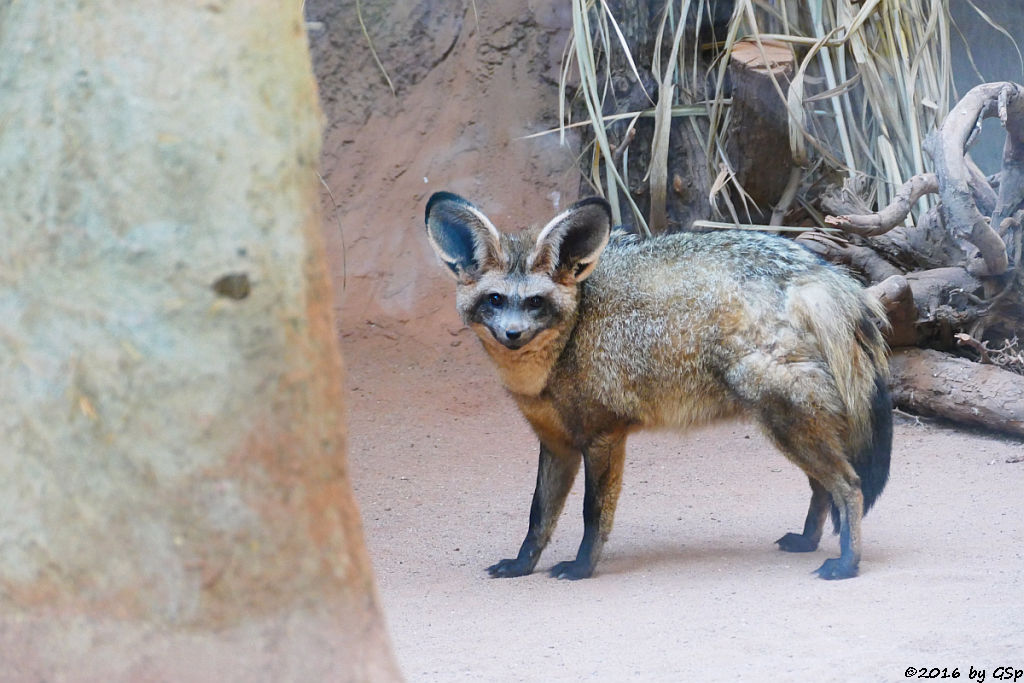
(470, 82)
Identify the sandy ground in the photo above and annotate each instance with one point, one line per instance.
(691, 586)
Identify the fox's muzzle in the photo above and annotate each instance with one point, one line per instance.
(512, 336)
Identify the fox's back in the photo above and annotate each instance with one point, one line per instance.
(661, 321)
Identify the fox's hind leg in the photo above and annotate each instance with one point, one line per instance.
(803, 413)
(817, 513)
(555, 475)
(811, 441)
(603, 461)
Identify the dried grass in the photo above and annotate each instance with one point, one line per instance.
(873, 79)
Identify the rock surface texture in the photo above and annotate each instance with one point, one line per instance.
(173, 483)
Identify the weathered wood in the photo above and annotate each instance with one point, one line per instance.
(861, 259)
(947, 147)
(898, 299)
(921, 246)
(941, 287)
(963, 267)
(946, 300)
(936, 384)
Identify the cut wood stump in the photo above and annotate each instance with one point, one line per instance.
(758, 146)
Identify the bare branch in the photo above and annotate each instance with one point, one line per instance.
(947, 147)
(963, 339)
(964, 194)
(872, 224)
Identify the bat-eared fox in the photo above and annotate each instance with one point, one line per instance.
(596, 335)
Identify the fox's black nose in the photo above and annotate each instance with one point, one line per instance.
(513, 335)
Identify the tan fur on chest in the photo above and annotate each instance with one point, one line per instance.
(523, 371)
(547, 423)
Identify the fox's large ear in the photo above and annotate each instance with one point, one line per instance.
(462, 236)
(573, 240)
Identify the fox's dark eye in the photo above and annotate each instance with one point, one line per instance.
(496, 300)
(535, 302)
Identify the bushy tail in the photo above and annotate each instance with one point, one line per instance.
(870, 450)
(871, 460)
(856, 356)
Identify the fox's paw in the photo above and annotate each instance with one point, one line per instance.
(572, 570)
(837, 568)
(796, 543)
(506, 569)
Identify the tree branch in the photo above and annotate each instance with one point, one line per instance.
(872, 224)
(947, 147)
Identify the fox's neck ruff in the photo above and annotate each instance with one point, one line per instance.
(525, 371)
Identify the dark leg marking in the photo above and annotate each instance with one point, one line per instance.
(817, 513)
(846, 565)
(602, 461)
(555, 475)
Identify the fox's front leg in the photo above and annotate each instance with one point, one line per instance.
(555, 475)
(603, 462)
